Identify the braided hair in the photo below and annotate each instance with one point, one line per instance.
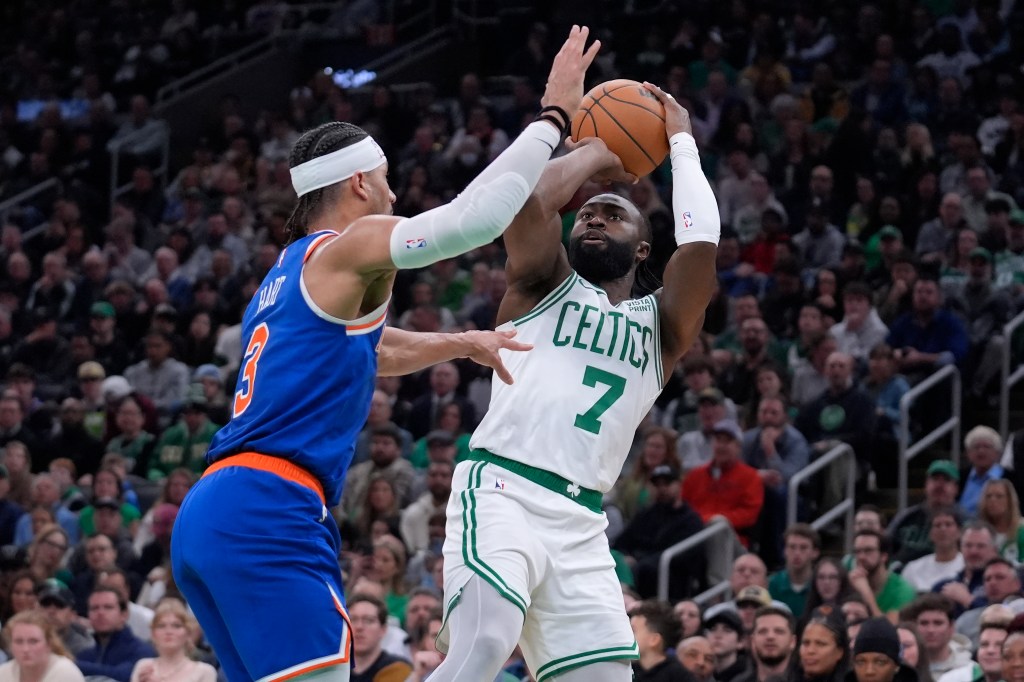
(324, 139)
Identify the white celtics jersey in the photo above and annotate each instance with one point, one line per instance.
(594, 372)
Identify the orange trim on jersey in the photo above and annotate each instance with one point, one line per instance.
(367, 325)
(274, 465)
(316, 243)
(316, 666)
(346, 648)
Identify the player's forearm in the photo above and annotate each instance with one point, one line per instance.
(564, 175)
(403, 352)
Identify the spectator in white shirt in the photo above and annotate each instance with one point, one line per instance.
(946, 561)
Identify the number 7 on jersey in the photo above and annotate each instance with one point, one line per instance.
(591, 419)
(250, 363)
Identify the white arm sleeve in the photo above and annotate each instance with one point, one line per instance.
(483, 210)
(693, 202)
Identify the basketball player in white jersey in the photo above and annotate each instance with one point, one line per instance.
(526, 558)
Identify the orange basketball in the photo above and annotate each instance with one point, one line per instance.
(629, 119)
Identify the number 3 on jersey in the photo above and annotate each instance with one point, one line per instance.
(250, 363)
(591, 419)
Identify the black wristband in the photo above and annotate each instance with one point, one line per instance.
(551, 119)
(565, 119)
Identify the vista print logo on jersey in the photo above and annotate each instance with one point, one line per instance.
(418, 243)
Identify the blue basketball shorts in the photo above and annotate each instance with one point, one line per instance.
(254, 551)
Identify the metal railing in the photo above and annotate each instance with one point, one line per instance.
(116, 147)
(1008, 380)
(194, 79)
(713, 530)
(844, 508)
(907, 451)
(9, 205)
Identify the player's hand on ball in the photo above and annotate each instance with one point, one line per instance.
(677, 119)
(484, 346)
(565, 81)
(612, 171)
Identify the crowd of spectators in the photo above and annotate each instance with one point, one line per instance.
(868, 161)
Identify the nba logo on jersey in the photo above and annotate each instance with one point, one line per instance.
(418, 243)
(499, 484)
(687, 220)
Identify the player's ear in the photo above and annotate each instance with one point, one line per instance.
(357, 183)
(643, 251)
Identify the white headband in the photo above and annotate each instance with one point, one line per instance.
(361, 157)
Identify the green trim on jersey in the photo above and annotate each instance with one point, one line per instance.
(469, 551)
(551, 299)
(567, 663)
(585, 497)
(657, 342)
(593, 287)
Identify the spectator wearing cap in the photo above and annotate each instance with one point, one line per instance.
(185, 443)
(946, 561)
(749, 600)
(882, 250)
(861, 329)
(385, 460)
(90, 391)
(778, 451)
(909, 530)
(680, 414)
(726, 486)
(665, 521)
(656, 630)
(820, 243)
(160, 377)
(791, 585)
(694, 447)
(111, 351)
(983, 446)
(1009, 262)
(58, 603)
(725, 632)
(211, 380)
(71, 438)
(883, 591)
(876, 654)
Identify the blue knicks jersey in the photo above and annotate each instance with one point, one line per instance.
(306, 379)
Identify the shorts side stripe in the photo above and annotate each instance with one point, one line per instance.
(562, 665)
(469, 551)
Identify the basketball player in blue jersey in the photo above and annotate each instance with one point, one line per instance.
(526, 560)
(254, 548)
